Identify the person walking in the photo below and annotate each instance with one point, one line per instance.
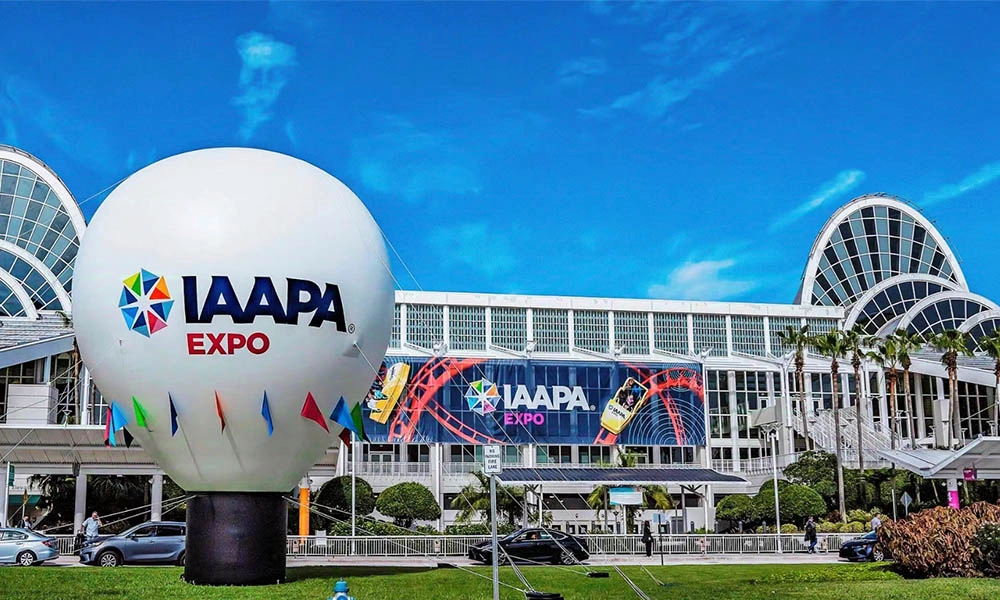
(876, 523)
(647, 538)
(91, 527)
(811, 535)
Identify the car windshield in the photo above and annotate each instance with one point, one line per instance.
(140, 530)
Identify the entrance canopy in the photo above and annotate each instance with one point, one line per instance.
(616, 476)
(982, 454)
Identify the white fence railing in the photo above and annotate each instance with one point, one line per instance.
(458, 545)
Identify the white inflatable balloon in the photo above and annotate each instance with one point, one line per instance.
(234, 272)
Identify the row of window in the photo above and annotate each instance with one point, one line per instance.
(591, 330)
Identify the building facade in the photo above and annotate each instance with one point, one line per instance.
(539, 374)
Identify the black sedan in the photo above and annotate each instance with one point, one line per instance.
(534, 546)
(863, 548)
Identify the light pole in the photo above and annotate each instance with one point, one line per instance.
(771, 430)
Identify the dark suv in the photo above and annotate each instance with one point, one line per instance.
(156, 542)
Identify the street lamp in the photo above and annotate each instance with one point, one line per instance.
(771, 431)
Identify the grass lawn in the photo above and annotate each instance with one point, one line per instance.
(709, 582)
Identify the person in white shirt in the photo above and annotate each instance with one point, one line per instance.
(91, 526)
(876, 523)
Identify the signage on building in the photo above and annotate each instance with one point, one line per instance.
(487, 401)
(625, 496)
(969, 474)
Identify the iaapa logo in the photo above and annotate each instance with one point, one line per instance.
(146, 305)
(145, 302)
(482, 396)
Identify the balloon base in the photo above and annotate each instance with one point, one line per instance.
(236, 538)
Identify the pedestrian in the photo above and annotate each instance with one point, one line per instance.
(811, 535)
(647, 538)
(91, 527)
(26, 522)
(876, 523)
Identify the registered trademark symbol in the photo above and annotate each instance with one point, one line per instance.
(350, 328)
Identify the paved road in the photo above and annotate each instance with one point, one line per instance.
(597, 560)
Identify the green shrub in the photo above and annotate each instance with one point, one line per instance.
(734, 508)
(478, 529)
(938, 542)
(408, 502)
(369, 527)
(986, 549)
(852, 527)
(334, 499)
(789, 528)
(827, 527)
(798, 503)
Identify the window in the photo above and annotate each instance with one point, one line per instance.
(670, 332)
(553, 454)
(751, 395)
(748, 334)
(169, 531)
(10, 536)
(144, 532)
(462, 453)
(677, 455)
(509, 327)
(632, 332)
(717, 389)
(710, 332)
(22, 373)
(424, 325)
(590, 330)
(593, 455)
(467, 327)
(550, 329)
(418, 453)
(397, 326)
(643, 455)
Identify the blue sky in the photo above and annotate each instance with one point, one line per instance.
(608, 149)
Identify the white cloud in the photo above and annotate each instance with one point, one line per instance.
(986, 175)
(476, 245)
(267, 63)
(701, 280)
(404, 160)
(575, 72)
(844, 182)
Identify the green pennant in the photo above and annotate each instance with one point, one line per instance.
(140, 413)
(359, 425)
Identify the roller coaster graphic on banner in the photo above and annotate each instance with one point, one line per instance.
(489, 401)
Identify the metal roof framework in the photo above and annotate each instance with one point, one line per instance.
(617, 476)
(982, 454)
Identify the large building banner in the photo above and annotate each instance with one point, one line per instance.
(488, 401)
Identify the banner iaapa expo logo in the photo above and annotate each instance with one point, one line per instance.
(145, 302)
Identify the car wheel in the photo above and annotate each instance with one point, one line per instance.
(109, 558)
(567, 558)
(26, 558)
(878, 554)
(180, 560)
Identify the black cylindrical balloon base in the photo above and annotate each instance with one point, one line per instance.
(236, 538)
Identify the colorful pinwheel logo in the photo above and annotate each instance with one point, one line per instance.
(482, 396)
(145, 302)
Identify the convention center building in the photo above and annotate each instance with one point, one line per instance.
(703, 395)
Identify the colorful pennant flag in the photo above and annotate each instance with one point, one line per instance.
(359, 425)
(173, 416)
(118, 418)
(140, 413)
(109, 436)
(342, 416)
(312, 412)
(218, 409)
(128, 438)
(265, 411)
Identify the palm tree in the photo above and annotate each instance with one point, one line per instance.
(857, 340)
(833, 344)
(886, 356)
(907, 342)
(951, 343)
(474, 500)
(799, 339)
(991, 345)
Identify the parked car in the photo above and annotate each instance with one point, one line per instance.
(863, 548)
(25, 547)
(157, 542)
(534, 545)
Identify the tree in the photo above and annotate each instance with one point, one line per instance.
(833, 345)
(408, 502)
(334, 497)
(474, 501)
(991, 345)
(951, 343)
(907, 342)
(886, 356)
(857, 340)
(798, 503)
(799, 339)
(737, 508)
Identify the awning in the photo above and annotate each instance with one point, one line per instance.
(616, 476)
(981, 454)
